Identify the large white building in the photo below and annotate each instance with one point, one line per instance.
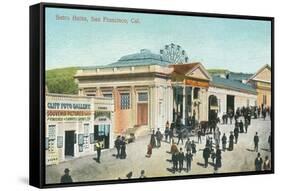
(140, 85)
(227, 95)
(148, 91)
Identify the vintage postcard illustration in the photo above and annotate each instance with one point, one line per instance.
(140, 95)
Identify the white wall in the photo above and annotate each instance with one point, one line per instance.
(14, 94)
(240, 99)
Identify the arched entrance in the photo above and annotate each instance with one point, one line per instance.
(213, 108)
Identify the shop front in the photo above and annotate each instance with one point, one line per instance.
(103, 130)
(71, 127)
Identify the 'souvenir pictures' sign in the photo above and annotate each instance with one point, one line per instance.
(138, 95)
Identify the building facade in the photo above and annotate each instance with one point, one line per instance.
(140, 85)
(190, 84)
(226, 95)
(74, 123)
(261, 81)
(148, 91)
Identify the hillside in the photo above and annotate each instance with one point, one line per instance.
(61, 80)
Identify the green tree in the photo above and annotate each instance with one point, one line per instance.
(62, 80)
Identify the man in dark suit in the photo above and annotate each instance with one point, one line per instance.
(66, 178)
(180, 137)
(158, 137)
(236, 134)
(258, 162)
(241, 126)
(231, 138)
(181, 158)
(206, 156)
(189, 158)
(118, 145)
(175, 161)
(256, 142)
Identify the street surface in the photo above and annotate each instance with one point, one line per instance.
(240, 159)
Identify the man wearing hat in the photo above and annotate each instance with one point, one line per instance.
(66, 178)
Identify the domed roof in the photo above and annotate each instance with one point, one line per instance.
(144, 57)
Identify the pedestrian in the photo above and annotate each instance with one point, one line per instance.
(174, 148)
(142, 174)
(264, 114)
(189, 158)
(188, 145)
(158, 137)
(246, 125)
(211, 143)
(217, 135)
(218, 158)
(123, 148)
(258, 162)
(180, 159)
(193, 147)
(117, 144)
(231, 138)
(236, 134)
(231, 117)
(269, 142)
(66, 178)
(226, 118)
(266, 164)
(180, 137)
(167, 132)
(199, 134)
(175, 161)
(98, 148)
(149, 151)
(171, 133)
(213, 156)
(206, 156)
(223, 140)
(256, 142)
(241, 126)
(152, 140)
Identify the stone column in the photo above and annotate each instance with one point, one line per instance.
(152, 106)
(192, 89)
(171, 100)
(183, 104)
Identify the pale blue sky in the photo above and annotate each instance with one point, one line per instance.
(235, 44)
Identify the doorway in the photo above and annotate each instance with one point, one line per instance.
(69, 143)
(213, 108)
(101, 133)
(230, 103)
(142, 116)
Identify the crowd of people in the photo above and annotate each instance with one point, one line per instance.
(215, 142)
(247, 113)
(184, 149)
